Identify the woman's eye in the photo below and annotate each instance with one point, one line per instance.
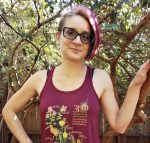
(86, 36)
(70, 32)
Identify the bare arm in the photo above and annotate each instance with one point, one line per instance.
(119, 119)
(17, 102)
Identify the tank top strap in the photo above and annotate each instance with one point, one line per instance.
(90, 72)
(50, 73)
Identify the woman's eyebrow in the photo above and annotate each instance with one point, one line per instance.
(84, 31)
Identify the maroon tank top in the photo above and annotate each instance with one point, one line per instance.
(69, 116)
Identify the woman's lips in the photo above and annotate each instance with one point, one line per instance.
(75, 49)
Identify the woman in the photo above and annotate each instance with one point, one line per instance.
(72, 92)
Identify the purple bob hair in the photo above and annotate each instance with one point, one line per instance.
(90, 16)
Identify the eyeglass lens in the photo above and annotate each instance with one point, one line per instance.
(71, 33)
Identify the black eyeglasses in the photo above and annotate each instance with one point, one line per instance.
(71, 34)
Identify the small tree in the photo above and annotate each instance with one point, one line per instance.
(27, 42)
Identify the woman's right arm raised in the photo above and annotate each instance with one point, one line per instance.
(29, 90)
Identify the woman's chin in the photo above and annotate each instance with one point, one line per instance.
(76, 57)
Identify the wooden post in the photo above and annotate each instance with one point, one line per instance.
(122, 138)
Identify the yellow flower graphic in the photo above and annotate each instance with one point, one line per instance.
(57, 124)
(62, 123)
(54, 131)
(65, 135)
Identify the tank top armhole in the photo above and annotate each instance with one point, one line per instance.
(93, 72)
(91, 69)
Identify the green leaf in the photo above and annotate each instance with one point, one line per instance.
(79, 1)
(108, 26)
(36, 58)
(44, 4)
(60, 5)
(24, 52)
(65, 1)
(22, 34)
(31, 12)
(113, 17)
(51, 9)
(126, 1)
(98, 4)
(127, 26)
(30, 37)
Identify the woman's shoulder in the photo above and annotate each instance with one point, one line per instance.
(41, 73)
(38, 75)
(101, 73)
(101, 81)
(39, 79)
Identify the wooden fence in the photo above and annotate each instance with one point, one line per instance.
(31, 121)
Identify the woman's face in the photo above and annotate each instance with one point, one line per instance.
(74, 48)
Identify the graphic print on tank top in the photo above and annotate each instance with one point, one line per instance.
(63, 130)
(72, 116)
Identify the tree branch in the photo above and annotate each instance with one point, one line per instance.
(124, 68)
(103, 59)
(139, 26)
(131, 64)
(145, 90)
(33, 44)
(146, 87)
(36, 27)
(38, 15)
(110, 13)
(130, 37)
(32, 66)
(8, 24)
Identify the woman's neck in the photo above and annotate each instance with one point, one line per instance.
(70, 69)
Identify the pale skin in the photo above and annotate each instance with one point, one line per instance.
(73, 70)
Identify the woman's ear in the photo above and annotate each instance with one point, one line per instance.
(57, 35)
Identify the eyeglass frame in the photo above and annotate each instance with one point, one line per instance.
(78, 34)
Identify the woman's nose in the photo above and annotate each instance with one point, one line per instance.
(77, 40)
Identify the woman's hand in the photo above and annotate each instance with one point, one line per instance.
(141, 75)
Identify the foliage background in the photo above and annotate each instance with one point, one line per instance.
(27, 38)
(37, 49)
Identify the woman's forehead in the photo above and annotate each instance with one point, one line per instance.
(77, 22)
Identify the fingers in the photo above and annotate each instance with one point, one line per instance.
(141, 75)
(145, 67)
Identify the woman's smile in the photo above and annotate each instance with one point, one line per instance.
(76, 49)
